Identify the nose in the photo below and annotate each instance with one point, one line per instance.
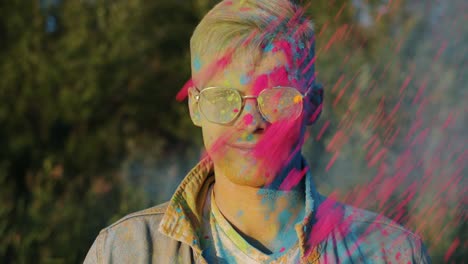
(251, 120)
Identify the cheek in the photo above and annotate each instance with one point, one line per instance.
(214, 136)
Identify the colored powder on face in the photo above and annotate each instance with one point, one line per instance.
(244, 79)
(243, 137)
(227, 83)
(235, 110)
(250, 137)
(218, 146)
(277, 145)
(248, 119)
(248, 108)
(282, 250)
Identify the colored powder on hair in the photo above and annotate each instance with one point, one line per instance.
(269, 47)
(244, 79)
(279, 76)
(260, 83)
(284, 46)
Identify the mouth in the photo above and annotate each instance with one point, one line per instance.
(243, 146)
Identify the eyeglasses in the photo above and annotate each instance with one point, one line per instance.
(224, 105)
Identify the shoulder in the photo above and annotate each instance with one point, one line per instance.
(376, 238)
(369, 224)
(149, 216)
(135, 226)
(131, 237)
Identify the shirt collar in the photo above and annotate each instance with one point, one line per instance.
(182, 220)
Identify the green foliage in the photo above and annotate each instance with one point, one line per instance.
(76, 103)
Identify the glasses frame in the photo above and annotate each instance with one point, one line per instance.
(243, 98)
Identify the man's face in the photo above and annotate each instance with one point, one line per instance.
(247, 149)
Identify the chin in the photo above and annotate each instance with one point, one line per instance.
(243, 170)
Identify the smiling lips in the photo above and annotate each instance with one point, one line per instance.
(243, 146)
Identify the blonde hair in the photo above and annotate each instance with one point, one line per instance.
(250, 26)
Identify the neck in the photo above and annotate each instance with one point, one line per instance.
(264, 216)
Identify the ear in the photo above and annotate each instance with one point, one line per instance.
(315, 104)
(193, 106)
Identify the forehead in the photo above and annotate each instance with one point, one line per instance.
(246, 71)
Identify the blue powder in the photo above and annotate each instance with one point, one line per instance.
(269, 47)
(244, 79)
(284, 216)
(240, 213)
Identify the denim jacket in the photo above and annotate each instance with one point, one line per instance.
(331, 233)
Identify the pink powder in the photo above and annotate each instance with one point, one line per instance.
(276, 146)
(284, 46)
(248, 119)
(293, 178)
(279, 77)
(260, 83)
(218, 148)
(329, 216)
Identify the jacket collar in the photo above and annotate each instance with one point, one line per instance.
(182, 220)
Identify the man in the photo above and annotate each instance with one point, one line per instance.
(252, 199)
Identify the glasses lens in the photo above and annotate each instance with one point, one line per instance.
(280, 103)
(220, 105)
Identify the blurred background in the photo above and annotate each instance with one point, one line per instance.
(90, 129)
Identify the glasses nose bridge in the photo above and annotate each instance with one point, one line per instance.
(245, 98)
(257, 113)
